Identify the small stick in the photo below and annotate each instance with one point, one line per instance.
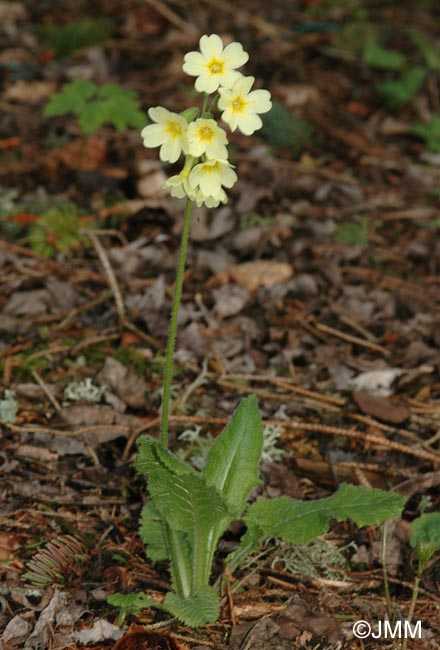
(110, 275)
(49, 394)
(351, 339)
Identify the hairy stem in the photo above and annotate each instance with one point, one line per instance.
(168, 373)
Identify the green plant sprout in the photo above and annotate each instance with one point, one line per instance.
(425, 538)
(95, 105)
(188, 510)
(56, 230)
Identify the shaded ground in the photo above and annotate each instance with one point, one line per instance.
(316, 287)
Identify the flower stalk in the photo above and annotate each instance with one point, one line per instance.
(171, 343)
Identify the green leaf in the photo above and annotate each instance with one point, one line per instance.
(132, 604)
(249, 543)
(425, 535)
(376, 56)
(430, 52)
(282, 128)
(121, 107)
(353, 233)
(430, 133)
(233, 460)
(194, 508)
(404, 90)
(301, 521)
(95, 106)
(72, 98)
(200, 608)
(153, 455)
(153, 533)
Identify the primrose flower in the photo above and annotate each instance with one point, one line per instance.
(210, 201)
(215, 64)
(240, 105)
(208, 177)
(206, 137)
(169, 133)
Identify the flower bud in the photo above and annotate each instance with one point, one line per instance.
(190, 114)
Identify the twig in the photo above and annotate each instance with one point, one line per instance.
(266, 394)
(49, 394)
(326, 429)
(171, 16)
(351, 339)
(288, 385)
(110, 274)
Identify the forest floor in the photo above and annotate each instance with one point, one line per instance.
(316, 287)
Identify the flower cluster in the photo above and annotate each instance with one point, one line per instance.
(203, 142)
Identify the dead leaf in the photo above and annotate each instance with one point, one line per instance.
(377, 382)
(101, 630)
(140, 637)
(29, 303)
(253, 275)
(29, 92)
(381, 408)
(229, 300)
(125, 382)
(9, 542)
(16, 631)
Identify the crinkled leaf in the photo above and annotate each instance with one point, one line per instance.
(233, 460)
(153, 533)
(132, 604)
(199, 609)
(153, 455)
(301, 521)
(188, 504)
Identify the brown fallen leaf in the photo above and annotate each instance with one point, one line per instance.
(139, 636)
(381, 408)
(125, 382)
(253, 275)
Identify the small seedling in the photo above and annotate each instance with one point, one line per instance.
(188, 511)
(56, 230)
(95, 105)
(353, 233)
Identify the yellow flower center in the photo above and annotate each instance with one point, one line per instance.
(173, 129)
(206, 133)
(238, 104)
(216, 66)
(211, 168)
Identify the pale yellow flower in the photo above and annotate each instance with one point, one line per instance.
(169, 133)
(241, 106)
(208, 177)
(179, 186)
(215, 64)
(210, 201)
(206, 137)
